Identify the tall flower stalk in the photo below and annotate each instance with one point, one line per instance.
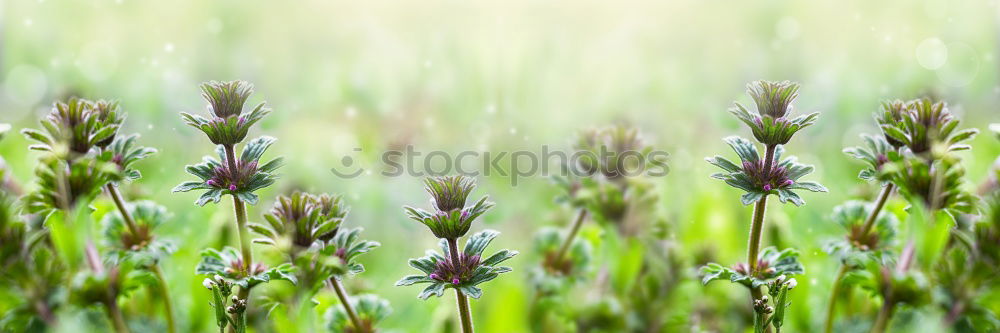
(862, 241)
(929, 175)
(86, 154)
(760, 177)
(227, 126)
(449, 221)
(137, 238)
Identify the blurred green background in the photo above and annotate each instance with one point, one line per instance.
(502, 76)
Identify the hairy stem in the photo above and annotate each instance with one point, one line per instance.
(241, 224)
(130, 223)
(866, 228)
(165, 295)
(879, 203)
(117, 197)
(463, 301)
(831, 307)
(342, 295)
(756, 229)
(580, 217)
(769, 157)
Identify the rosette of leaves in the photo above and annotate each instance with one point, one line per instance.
(936, 184)
(249, 176)
(771, 264)
(301, 219)
(228, 123)
(75, 127)
(466, 275)
(753, 177)
(451, 219)
(548, 242)
(123, 152)
(228, 264)
(875, 154)
(141, 246)
(370, 309)
(862, 245)
(926, 124)
(346, 245)
(770, 123)
(62, 186)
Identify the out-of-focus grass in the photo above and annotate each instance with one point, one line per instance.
(499, 76)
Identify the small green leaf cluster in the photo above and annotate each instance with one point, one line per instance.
(451, 218)
(771, 264)
(442, 272)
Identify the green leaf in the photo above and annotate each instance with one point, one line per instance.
(414, 279)
(435, 289)
(479, 241)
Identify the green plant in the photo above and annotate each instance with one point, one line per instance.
(465, 270)
(307, 229)
(239, 178)
(760, 177)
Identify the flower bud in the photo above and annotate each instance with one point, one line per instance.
(208, 283)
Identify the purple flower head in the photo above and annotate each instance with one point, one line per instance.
(456, 273)
(225, 178)
(774, 178)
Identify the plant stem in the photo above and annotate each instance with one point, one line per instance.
(241, 224)
(347, 304)
(830, 310)
(165, 295)
(463, 301)
(884, 315)
(757, 227)
(866, 228)
(572, 235)
(241, 216)
(129, 222)
(116, 316)
(879, 203)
